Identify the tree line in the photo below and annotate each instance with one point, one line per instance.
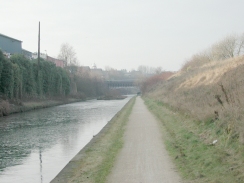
(21, 78)
(229, 47)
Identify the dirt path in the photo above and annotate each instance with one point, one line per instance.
(143, 159)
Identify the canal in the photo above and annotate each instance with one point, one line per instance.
(36, 145)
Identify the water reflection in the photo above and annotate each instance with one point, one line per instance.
(36, 145)
(40, 156)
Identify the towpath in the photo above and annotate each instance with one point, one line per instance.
(143, 159)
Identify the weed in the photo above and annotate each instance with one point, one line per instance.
(219, 96)
(189, 144)
(225, 93)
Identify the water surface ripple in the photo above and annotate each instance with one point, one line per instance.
(36, 145)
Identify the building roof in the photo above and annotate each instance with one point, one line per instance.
(10, 37)
(26, 51)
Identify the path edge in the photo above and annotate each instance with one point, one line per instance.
(68, 171)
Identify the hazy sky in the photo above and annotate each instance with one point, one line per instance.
(123, 34)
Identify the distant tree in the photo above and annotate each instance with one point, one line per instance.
(149, 70)
(2, 58)
(7, 79)
(143, 69)
(158, 70)
(198, 60)
(229, 47)
(225, 48)
(149, 82)
(240, 45)
(107, 68)
(67, 54)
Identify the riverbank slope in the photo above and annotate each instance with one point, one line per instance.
(202, 110)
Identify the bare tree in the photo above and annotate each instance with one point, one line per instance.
(143, 69)
(226, 48)
(240, 45)
(146, 69)
(231, 46)
(158, 70)
(68, 54)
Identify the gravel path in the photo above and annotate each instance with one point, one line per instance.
(143, 159)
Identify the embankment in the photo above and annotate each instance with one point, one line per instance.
(198, 107)
(190, 144)
(213, 91)
(94, 162)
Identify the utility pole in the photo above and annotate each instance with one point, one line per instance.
(39, 47)
(38, 66)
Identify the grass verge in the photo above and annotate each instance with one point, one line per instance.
(94, 162)
(189, 144)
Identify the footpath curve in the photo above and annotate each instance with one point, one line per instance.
(143, 158)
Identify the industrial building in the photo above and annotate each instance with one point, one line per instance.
(10, 45)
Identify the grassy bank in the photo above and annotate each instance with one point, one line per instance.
(94, 162)
(189, 142)
(214, 90)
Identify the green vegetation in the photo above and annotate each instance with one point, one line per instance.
(189, 142)
(99, 156)
(20, 78)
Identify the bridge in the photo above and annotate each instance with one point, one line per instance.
(121, 83)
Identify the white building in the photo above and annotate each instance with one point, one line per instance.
(42, 55)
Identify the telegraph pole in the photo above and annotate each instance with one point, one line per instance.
(39, 47)
(38, 66)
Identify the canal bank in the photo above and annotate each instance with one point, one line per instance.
(32, 105)
(94, 162)
(16, 106)
(7, 108)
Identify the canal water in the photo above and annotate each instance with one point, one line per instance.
(36, 145)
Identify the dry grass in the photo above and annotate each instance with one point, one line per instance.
(211, 72)
(214, 91)
(189, 144)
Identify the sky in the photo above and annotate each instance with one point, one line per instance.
(123, 34)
